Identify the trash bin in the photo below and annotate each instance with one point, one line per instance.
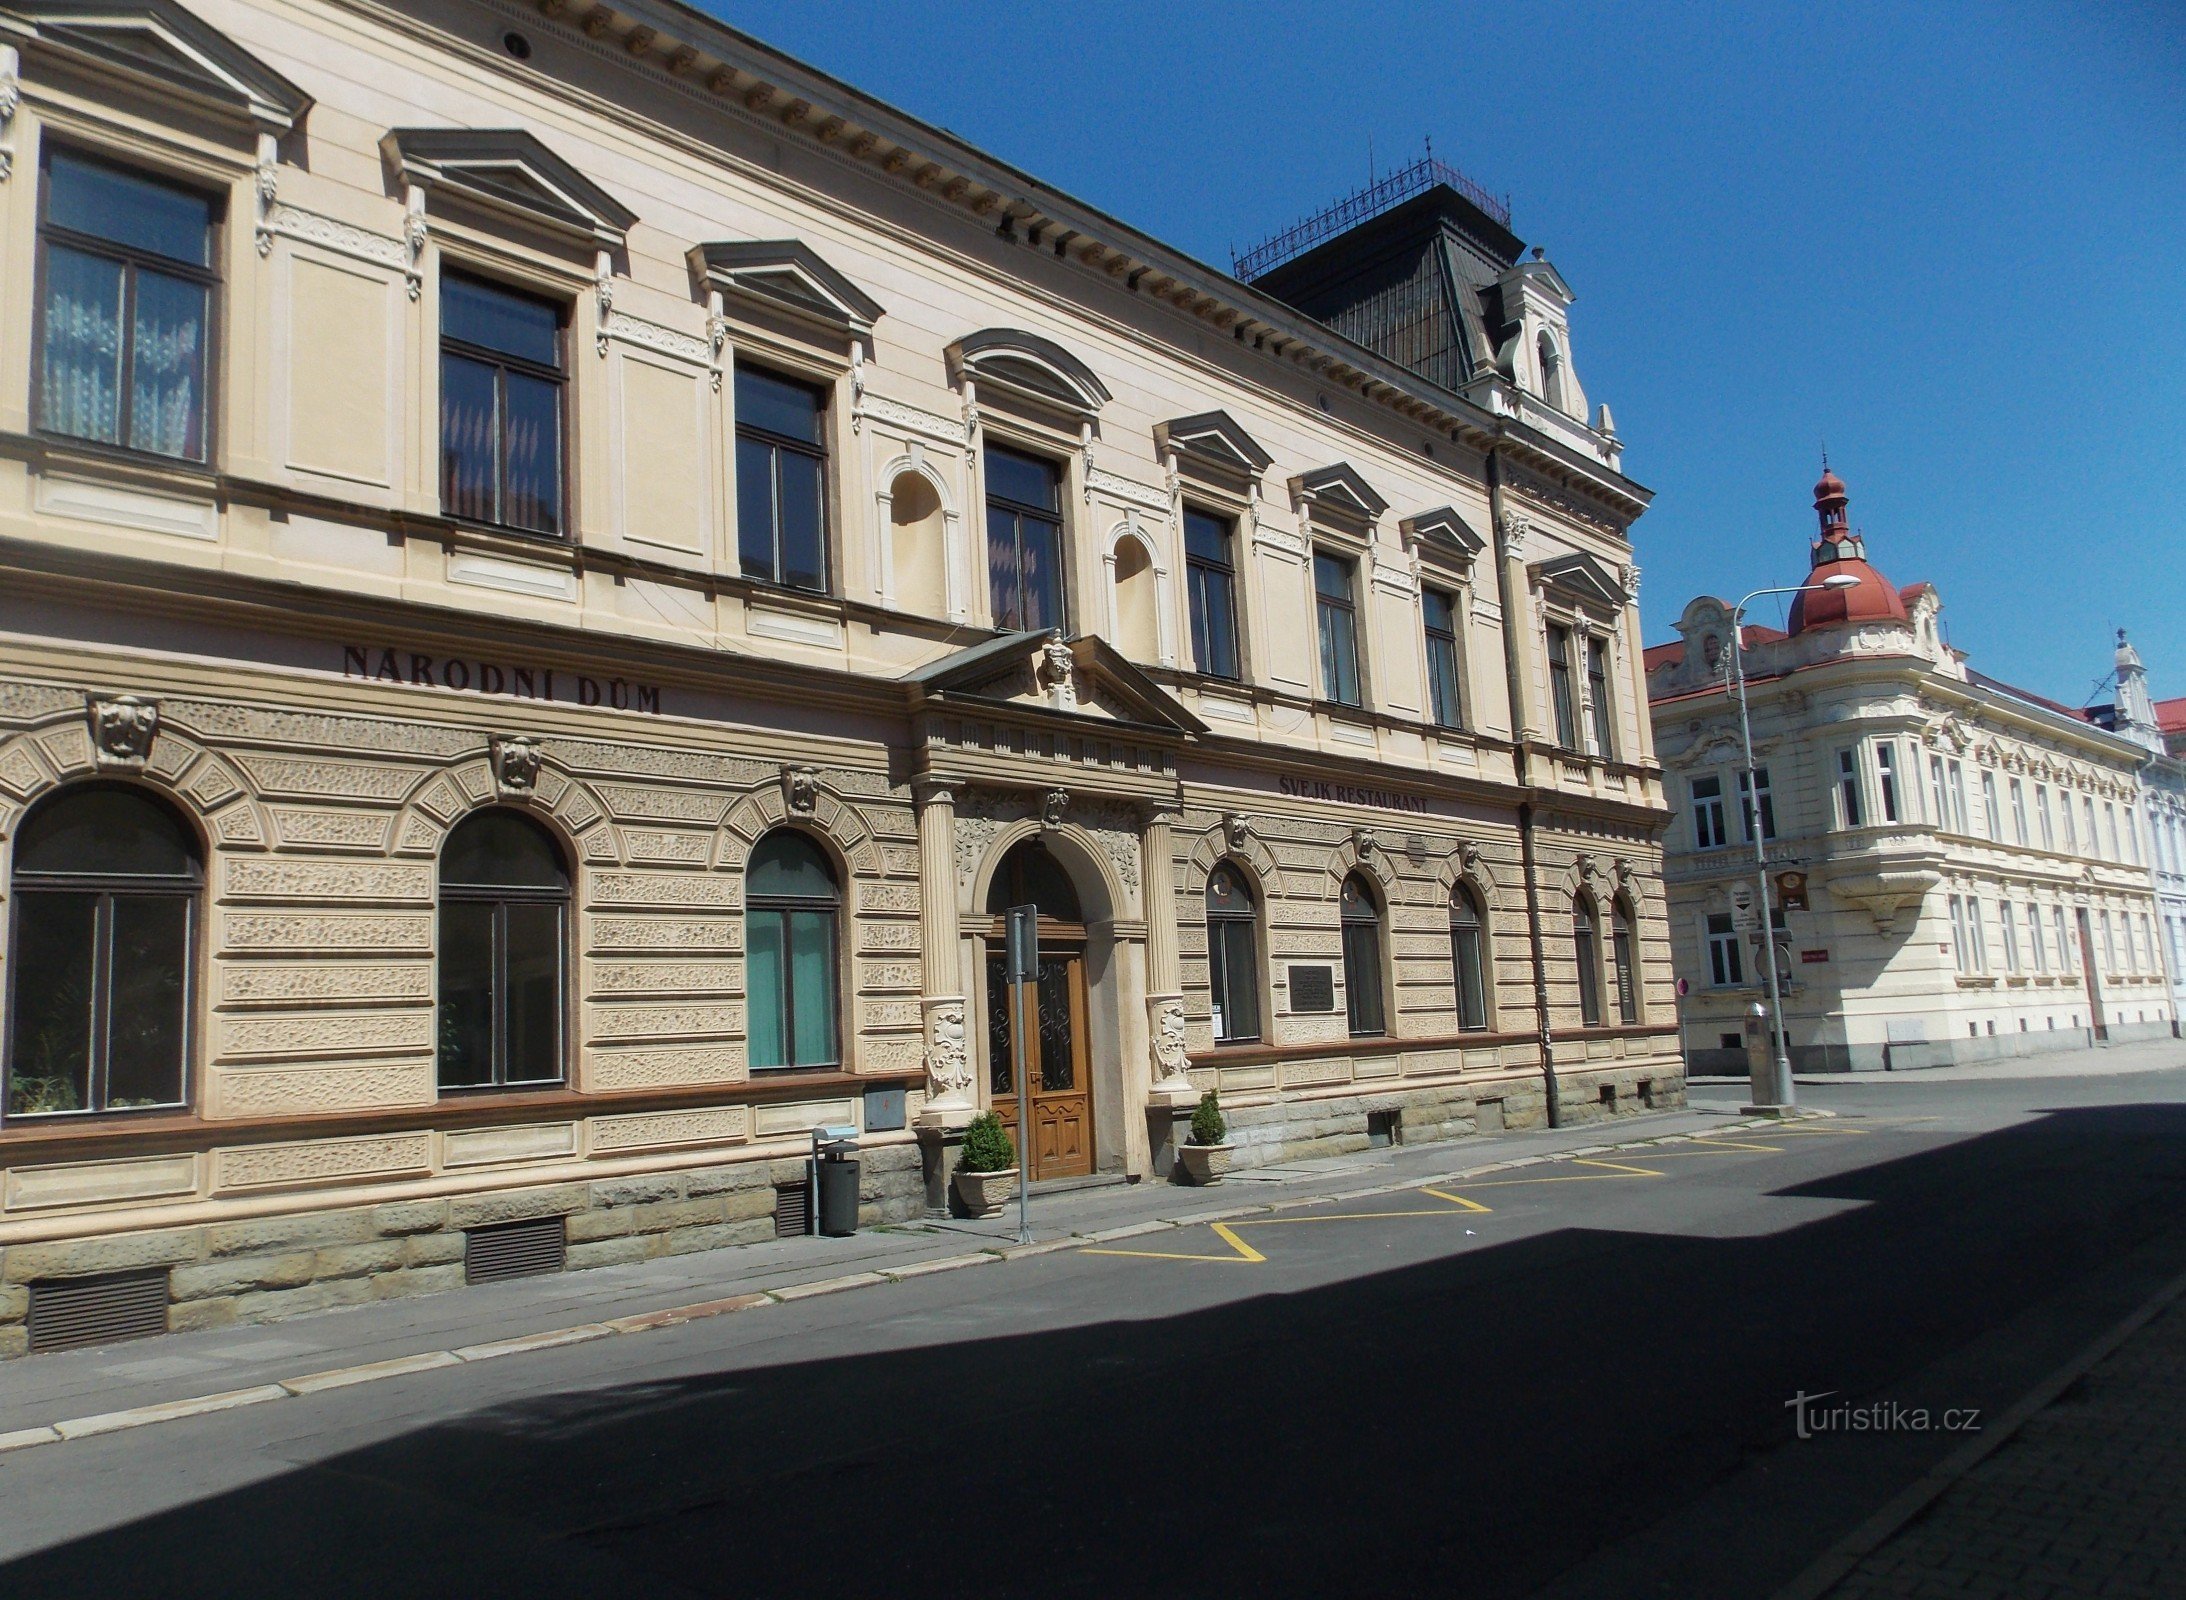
(835, 1170)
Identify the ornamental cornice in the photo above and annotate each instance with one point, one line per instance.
(286, 221)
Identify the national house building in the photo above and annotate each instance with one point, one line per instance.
(562, 569)
(1957, 867)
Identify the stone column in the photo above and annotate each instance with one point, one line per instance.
(949, 1104)
(1164, 984)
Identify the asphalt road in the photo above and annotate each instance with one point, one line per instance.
(1578, 1390)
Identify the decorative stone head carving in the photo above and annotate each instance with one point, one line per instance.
(1052, 807)
(516, 766)
(801, 789)
(1236, 831)
(1364, 842)
(1056, 671)
(122, 727)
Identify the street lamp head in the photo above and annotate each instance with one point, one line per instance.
(1839, 580)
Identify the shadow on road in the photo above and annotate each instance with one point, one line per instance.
(1472, 1426)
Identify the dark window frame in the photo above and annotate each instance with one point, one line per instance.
(1199, 570)
(1586, 952)
(503, 363)
(1562, 693)
(1624, 961)
(1366, 1005)
(1445, 672)
(132, 259)
(1600, 708)
(778, 442)
(1020, 512)
(784, 906)
(1225, 925)
(1469, 953)
(501, 897)
(1343, 608)
(104, 889)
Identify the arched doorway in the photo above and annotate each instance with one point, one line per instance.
(1058, 1062)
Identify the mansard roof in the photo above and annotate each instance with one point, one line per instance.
(1027, 364)
(789, 275)
(1216, 437)
(509, 170)
(158, 43)
(1339, 485)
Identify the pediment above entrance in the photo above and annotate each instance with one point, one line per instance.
(1046, 673)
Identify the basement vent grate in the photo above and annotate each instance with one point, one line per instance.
(792, 1211)
(515, 1250)
(68, 1313)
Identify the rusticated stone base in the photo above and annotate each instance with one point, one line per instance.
(1303, 1130)
(268, 1268)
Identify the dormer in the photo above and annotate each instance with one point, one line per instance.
(1536, 353)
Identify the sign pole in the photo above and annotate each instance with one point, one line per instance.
(1023, 950)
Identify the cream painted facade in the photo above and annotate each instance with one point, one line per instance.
(1969, 857)
(322, 672)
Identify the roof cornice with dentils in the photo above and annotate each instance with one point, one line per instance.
(685, 45)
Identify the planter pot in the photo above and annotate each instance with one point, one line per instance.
(984, 1194)
(1203, 1163)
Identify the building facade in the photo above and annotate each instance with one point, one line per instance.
(562, 569)
(2159, 728)
(1958, 864)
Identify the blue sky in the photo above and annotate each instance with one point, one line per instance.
(1951, 241)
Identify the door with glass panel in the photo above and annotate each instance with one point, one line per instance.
(1052, 1024)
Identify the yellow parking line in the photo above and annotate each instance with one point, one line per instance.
(1246, 1255)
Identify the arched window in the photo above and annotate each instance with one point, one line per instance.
(1361, 916)
(504, 937)
(1552, 371)
(106, 882)
(1233, 957)
(791, 905)
(1586, 949)
(1624, 957)
(1468, 952)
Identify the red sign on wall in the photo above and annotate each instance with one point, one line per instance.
(1810, 957)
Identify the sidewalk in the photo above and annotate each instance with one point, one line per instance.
(98, 1390)
(2082, 1501)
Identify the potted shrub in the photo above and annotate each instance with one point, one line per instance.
(1207, 1155)
(986, 1168)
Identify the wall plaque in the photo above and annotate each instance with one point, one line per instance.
(1313, 988)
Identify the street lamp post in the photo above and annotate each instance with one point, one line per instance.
(1777, 1094)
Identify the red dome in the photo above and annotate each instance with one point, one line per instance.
(1831, 487)
(1875, 599)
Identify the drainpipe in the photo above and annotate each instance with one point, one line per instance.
(1513, 670)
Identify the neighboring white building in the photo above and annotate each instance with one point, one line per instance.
(2160, 727)
(1958, 862)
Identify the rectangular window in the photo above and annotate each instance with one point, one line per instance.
(2064, 941)
(1362, 978)
(125, 308)
(2110, 946)
(1726, 965)
(2011, 935)
(1961, 948)
(1957, 770)
(1754, 794)
(2018, 812)
(1978, 934)
(2110, 830)
(1337, 613)
(2034, 938)
(1990, 817)
(1024, 541)
(2148, 941)
(1233, 974)
(1597, 696)
(1709, 832)
(1624, 959)
(1886, 779)
(2041, 816)
(1211, 576)
(1440, 612)
(1937, 803)
(1559, 687)
(501, 396)
(2087, 815)
(781, 480)
(1848, 789)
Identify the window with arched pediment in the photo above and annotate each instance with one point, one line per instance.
(792, 921)
(1365, 1005)
(107, 882)
(1469, 958)
(1233, 956)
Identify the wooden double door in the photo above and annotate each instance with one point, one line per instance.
(1056, 1062)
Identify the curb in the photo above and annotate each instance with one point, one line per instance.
(675, 1316)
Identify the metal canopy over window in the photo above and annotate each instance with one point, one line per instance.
(106, 883)
(124, 308)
